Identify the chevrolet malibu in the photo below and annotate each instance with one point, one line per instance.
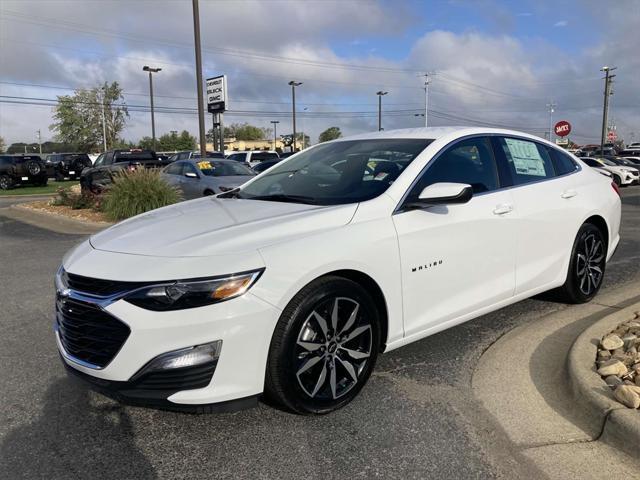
(291, 285)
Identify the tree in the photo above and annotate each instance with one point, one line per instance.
(171, 141)
(244, 131)
(2, 145)
(78, 118)
(330, 133)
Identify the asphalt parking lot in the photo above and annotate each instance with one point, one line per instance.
(417, 417)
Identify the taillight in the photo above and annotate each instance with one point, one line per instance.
(616, 188)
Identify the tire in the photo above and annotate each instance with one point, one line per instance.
(584, 280)
(6, 182)
(208, 193)
(33, 168)
(617, 180)
(310, 369)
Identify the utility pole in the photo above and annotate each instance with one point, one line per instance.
(214, 135)
(39, 142)
(196, 38)
(221, 127)
(151, 71)
(275, 126)
(104, 129)
(380, 93)
(294, 84)
(552, 108)
(426, 99)
(605, 109)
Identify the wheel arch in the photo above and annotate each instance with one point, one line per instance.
(369, 284)
(601, 224)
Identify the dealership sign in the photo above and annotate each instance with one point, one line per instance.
(562, 128)
(217, 94)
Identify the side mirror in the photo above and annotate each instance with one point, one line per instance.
(443, 193)
(191, 175)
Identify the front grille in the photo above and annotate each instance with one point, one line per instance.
(87, 332)
(185, 378)
(97, 286)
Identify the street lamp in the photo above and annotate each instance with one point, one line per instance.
(151, 71)
(274, 123)
(380, 94)
(294, 84)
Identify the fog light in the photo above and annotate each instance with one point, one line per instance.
(185, 357)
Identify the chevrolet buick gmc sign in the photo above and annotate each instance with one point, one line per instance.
(216, 94)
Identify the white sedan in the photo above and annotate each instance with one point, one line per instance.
(291, 285)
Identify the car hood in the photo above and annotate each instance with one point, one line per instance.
(215, 226)
(229, 180)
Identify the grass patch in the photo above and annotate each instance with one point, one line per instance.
(50, 187)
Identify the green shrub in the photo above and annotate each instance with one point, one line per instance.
(135, 192)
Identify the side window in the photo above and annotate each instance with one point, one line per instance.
(469, 161)
(562, 162)
(174, 169)
(189, 168)
(528, 161)
(99, 161)
(108, 158)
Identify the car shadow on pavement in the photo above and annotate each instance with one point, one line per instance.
(75, 436)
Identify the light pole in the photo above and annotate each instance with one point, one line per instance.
(380, 94)
(196, 37)
(275, 126)
(552, 108)
(151, 71)
(294, 84)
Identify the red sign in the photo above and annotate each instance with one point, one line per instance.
(612, 135)
(563, 128)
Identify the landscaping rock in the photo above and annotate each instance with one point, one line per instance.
(629, 341)
(604, 354)
(612, 367)
(626, 395)
(612, 342)
(613, 381)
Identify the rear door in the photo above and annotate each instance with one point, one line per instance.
(546, 199)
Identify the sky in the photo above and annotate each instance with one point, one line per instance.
(490, 62)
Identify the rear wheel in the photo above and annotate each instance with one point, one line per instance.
(587, 265)
(324, 347)
(6, 182)
(617, 180)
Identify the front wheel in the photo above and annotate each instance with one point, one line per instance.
(587, 265)
(6, 182)
(324, 347)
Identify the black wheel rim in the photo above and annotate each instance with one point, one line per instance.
(333, 349)
(590, 263)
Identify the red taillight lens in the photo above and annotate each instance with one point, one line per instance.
(616, 188)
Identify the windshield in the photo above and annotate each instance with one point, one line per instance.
(223, 169)
(337, 173)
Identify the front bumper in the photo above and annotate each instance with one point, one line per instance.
(244, 324)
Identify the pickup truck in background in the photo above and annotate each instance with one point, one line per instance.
(95, 178)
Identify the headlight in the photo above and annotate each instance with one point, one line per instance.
(183, 294)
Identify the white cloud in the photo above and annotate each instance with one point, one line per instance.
(561, 23)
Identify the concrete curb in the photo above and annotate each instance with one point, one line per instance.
(28, 195)
(53, 222)
(620, 425)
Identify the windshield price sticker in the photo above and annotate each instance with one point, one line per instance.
(526, 157)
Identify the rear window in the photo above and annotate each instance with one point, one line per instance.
(264, 156)
(130, 156)
(562, 162)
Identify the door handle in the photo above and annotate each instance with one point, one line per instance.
(502, 209)
(569, 194)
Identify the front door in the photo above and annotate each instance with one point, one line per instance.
(457, 259)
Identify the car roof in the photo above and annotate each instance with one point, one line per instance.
(435, 133)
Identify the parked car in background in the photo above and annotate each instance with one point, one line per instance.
(189, 154)
(109, 163)
(22, 170)
(634, 145)
(623, 162)
(198, 177)
(587, 150)
(67, 165)
(264, 165)
(254, 157)
(294, 283)
(630, 152)
(622, 176)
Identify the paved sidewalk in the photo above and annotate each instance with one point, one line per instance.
(522, 381)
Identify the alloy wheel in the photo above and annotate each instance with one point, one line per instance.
(590, 263)
(333, 348)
